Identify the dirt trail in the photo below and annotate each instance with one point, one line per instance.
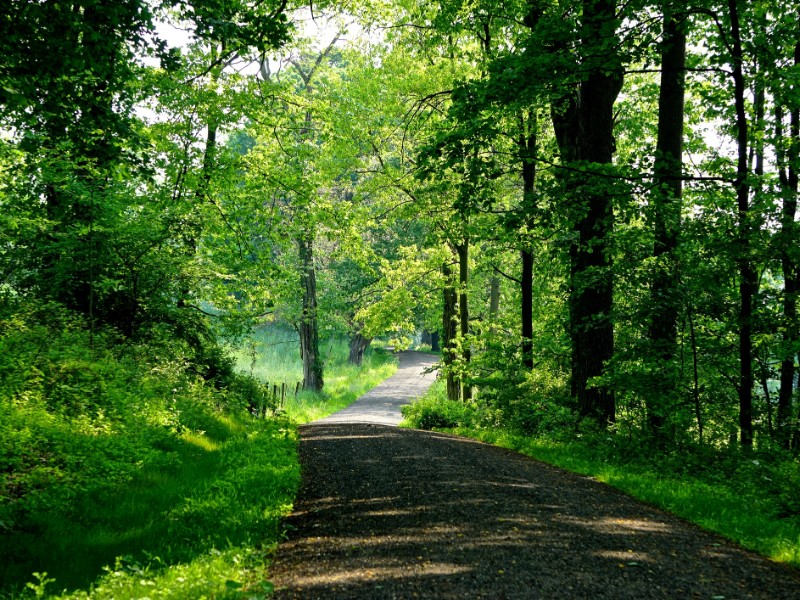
(392, 513)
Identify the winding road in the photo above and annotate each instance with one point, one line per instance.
(385, 512)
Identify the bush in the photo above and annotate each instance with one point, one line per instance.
(82, 410)
(435, 411)
(92, 424)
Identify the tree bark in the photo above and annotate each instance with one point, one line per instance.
(527, 149)
(308, 328)
(358, 345)
(449, 328)
(494, 297)
(463, 310)
(789, 240)
(435, 347)
(583, 121)
(747, 275)
(526, 289)
(666, 199)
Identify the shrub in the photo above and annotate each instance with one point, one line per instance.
(83, 410)
(435, 411)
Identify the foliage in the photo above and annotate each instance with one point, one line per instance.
(108, 449)
(125, 472)
(435, 411)
(155, 200)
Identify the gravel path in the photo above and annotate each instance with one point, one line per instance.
(392, 513)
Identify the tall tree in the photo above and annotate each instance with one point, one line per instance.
(583, 120)
(666, 211)
(788, 158)
(66, 74)
(747, 275)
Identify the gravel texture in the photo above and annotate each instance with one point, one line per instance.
(395, 513)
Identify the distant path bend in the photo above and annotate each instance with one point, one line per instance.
(387, 513)
(381, 405)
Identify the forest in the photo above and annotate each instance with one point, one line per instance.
(589, 208)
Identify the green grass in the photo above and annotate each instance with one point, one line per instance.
(166, 488)
(211, 511)
(272, 356)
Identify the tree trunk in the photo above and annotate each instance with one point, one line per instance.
(747, 275)
(526, 289)
(435, 347)
(463, 309)
(449, 323)
(527, 150)
(425, 337)
(358, 345)
(308, 328)
(666, 199)
(789, 166)
(583, 121)
(494, 297)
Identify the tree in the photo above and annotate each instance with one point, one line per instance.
(666, 198)
(787, 144)
(73, 122)
(583, 120)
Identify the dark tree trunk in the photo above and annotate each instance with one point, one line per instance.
(789, 166)
(494, 297)
(583, 121)
(358, 345)
(747, 275)
(435, 347)
(666, 199)
(527, 149)
(463, 310)
(526, 288)
(308, 328)
(449, 329)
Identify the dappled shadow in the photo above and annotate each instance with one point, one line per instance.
(392, 513)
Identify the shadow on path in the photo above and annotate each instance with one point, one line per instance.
(385, 512)
(393, 513)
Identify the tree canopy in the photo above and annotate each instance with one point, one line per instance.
(592, 205)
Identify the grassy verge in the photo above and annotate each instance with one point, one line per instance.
(751, 499)
(271, 356)
(130, 476)
(201, 525)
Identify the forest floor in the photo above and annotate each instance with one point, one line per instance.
(385, 512)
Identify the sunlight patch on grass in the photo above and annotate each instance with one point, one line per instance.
(231, 573)
(199, 440)
(199, 525)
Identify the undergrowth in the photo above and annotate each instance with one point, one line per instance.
(751, 498)
(134, 469)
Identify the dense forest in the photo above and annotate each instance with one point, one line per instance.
(589, 207)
